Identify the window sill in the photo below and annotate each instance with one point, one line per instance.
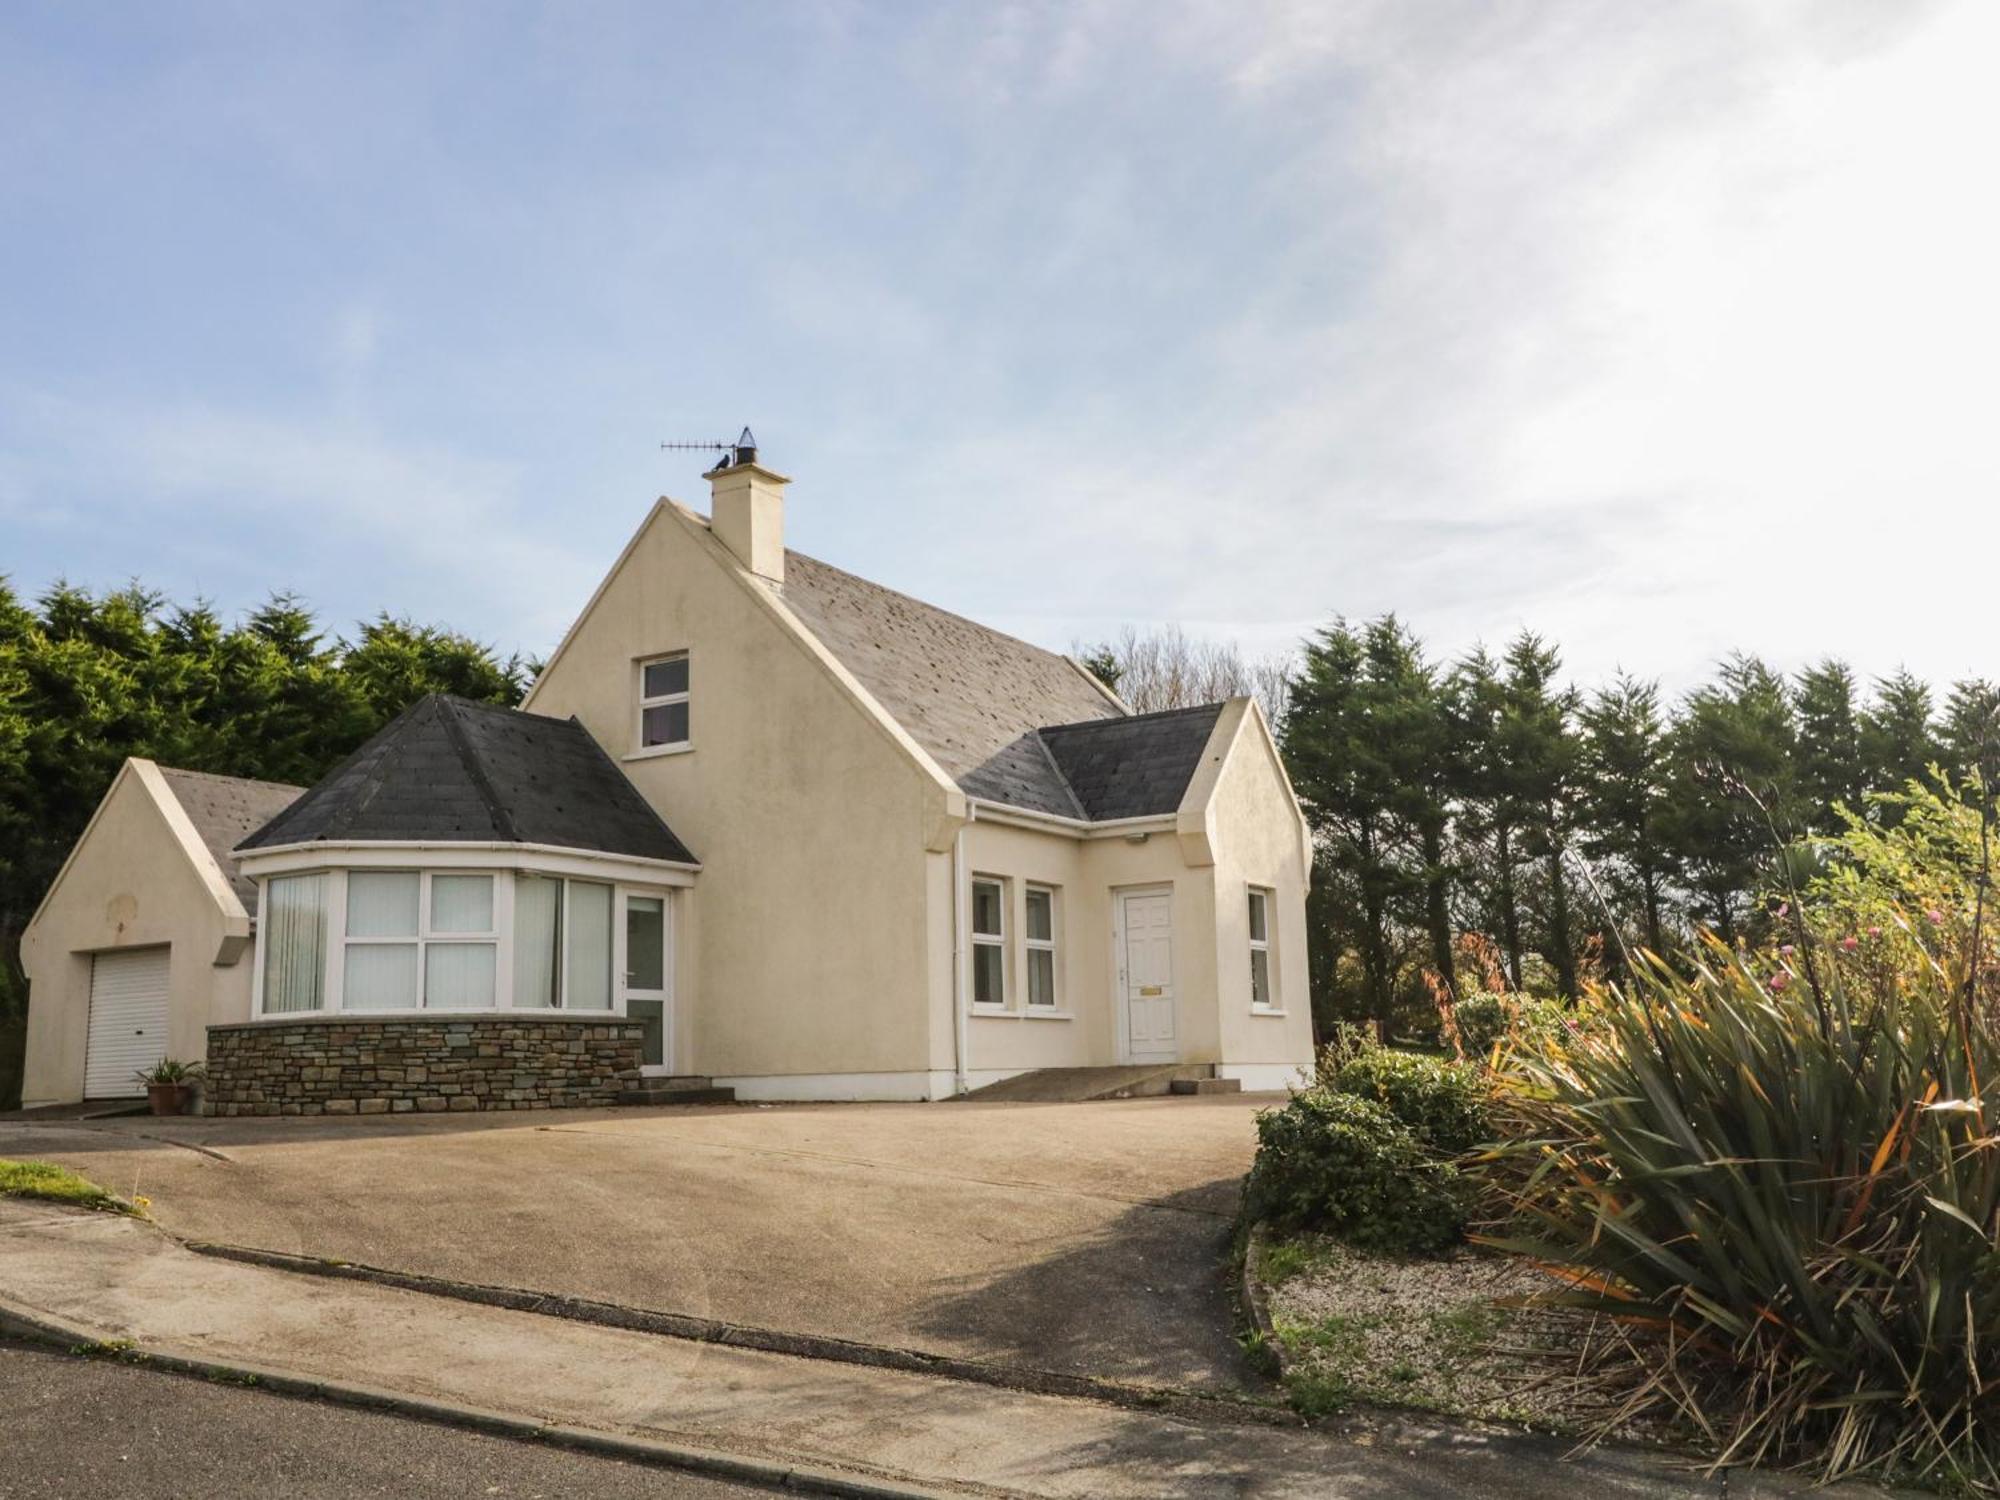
(1048, 1013)
(1265, 1010)
(654, 752)
(996, 1011)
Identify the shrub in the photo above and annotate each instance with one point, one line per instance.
(1779, 1174)
(1343, 1164)
(1486, 1018)
(1442, 1102)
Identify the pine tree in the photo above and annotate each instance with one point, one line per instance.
(1832, 772)
(1624, 789)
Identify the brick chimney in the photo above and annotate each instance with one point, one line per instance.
(747, 509)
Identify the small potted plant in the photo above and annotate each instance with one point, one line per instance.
(170, 1085)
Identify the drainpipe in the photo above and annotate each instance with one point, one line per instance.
(961, 922)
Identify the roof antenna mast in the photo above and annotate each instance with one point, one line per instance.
(742, 451)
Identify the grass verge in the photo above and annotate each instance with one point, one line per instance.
(40, 1179)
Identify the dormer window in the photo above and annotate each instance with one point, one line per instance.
(663, 702)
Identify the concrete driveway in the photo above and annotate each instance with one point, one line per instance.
(1084, 1238)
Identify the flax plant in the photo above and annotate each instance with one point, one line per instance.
(1775, 1178)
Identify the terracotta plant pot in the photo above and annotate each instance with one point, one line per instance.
(169, 1098)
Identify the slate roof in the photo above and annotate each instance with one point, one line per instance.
(448, 770)
(964, 692)
(224, 810)
(1133, 766)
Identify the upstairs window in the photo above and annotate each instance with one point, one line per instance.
(1260, 949)
(989, 943)
(663, 702)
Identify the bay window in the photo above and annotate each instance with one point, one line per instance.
(403, 940)
(416, 940)
(294, 922)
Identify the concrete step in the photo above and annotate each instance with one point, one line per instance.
(1074, 1085)
(681, 1088)
(1206, 1086)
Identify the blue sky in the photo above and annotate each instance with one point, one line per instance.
(1660, 329)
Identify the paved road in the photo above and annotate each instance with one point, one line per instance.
(75, 1428)
(1075, 1237)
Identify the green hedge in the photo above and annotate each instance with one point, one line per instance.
(1340, 1163)
(1441, 1102)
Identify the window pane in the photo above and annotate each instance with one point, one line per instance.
(1260, 977)
(1041, 976)
(986, 907)
(1041, 916)
(294, 919)
(461, 903)
(645, 943)
(988, 974)
(382, 903)
(458, 976)
(589, 968)
(1257, 928)
(380, 976)
(652, 1018)
(664, 678)
(537, 939)
(665, 725)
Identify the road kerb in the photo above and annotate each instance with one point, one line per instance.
(32, 1325)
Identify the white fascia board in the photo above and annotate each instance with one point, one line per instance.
(1076, 828)
(556, 859)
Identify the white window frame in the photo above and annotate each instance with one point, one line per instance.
(422, 940)
(333, 978)
(997, 941)
(1051, 945)
(1268, 1006)
(663, 700)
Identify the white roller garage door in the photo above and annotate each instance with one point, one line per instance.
(128, 1021)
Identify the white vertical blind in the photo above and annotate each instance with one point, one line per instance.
(380, 976)
(458, 976)
(294, 919)
(588, 970)
(537, 939)
(382, 903)
(461, 903)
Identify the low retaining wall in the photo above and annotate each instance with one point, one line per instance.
(353, 1066)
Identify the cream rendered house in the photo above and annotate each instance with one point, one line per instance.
(932, 856)
(760, 826)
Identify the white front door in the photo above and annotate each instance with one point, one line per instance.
(128, 1021)
(1146, 975)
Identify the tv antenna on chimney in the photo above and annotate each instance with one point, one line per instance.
(742, 451)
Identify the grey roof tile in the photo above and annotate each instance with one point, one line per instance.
(1135, 767)
(224, 809)
(452, 771)
(962, 691)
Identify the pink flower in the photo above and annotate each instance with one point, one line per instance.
(1778, 982)
(1936, 917)
(1784, 908)
(1874, 932)
(1849, 943)
(1785, 949)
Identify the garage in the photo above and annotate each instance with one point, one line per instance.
(128, 1020)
